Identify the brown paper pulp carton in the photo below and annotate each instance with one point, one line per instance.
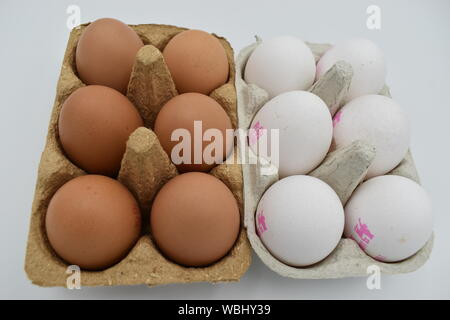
(145, 168)
(342, 169)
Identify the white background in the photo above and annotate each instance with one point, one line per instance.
(414, 36)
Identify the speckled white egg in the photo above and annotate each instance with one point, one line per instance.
(300, 220)
(378, 120)
(367, 61)
(390, 217)
(281, 64)
(304, 127)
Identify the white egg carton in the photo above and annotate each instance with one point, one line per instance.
(342, 169)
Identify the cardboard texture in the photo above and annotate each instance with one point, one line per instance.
(144, 170)
(342, 169)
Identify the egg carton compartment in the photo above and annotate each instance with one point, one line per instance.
(145, 168)
(343, 169)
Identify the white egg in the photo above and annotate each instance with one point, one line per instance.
(304, 127)
(281, 64)
(300, 220)
(390, 217)
(378, 120)
(367, 61)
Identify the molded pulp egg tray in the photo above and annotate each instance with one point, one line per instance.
(144, 169)
(343, 169)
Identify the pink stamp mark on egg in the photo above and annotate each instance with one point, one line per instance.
(337, 118)
(261, 226)
(255, 133)
(362, 231)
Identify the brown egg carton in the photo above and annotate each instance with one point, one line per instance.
(343, 169)
(144, 170)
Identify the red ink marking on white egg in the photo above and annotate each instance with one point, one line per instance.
(337, 118)
(380, 257)
(364, 234)
(261, 226)
(255, 133)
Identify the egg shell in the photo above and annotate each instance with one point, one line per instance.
(367, 61)
(390, 217)
(197, 61)
(94, 125)
(181, 112)
(195, 219)
(300, 220)
(378, 120)
(305, 131)
(92, 221)
(281, 64)
(106, 52)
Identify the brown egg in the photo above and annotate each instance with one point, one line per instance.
(94, 125)
(92, 221)
(181, 112)
(197, 61)
(195, 219)
(106, 52)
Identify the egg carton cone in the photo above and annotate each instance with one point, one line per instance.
(145, 168)
(343, 169)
